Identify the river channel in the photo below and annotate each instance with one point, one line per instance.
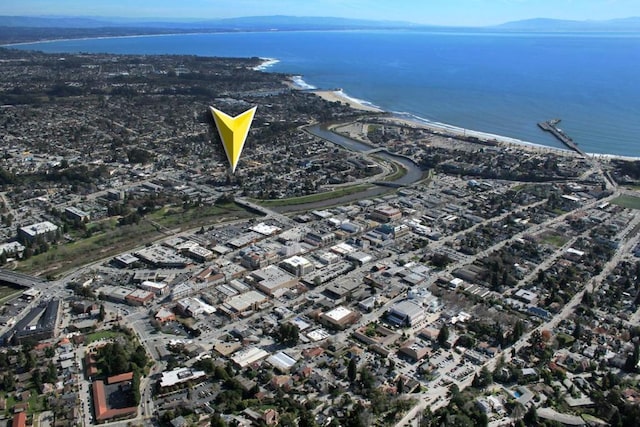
(413, 172)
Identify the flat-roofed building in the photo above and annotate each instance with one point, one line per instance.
(273, 280)
(199, 253)
(162, 257)
(386, 213)
(265, 229)
(415, 349)
(281, 361)
(45, 229)
(125, 260)
(240, 304)
(115, 294)
(155, 287)
(249, 356)
(139, 297)
(297, 265)
(327, 258)
(15, 249)
(339, 318)
(406, 313)
(181, 376)
(319, 239)
(76, 214)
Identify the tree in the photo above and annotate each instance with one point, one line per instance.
(288, 334)
(518, 330)
(217, 421)
(531, 417)
(443, 336)
(352, 370)
(102, 314)
(633, 358)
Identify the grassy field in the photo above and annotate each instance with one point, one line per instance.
(630, 202)
(557, 240)
(101, 335)
(117, 239)
(344, 191)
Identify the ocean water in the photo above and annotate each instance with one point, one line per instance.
(499, 83)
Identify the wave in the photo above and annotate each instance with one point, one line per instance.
(344, 95)
(266, 63)
(301, 84)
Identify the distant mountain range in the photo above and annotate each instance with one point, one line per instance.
(291, 23)
(252, 23)
(543, 24)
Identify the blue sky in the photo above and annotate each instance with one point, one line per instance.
(436, 12)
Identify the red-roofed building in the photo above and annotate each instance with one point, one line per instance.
(102, 410)
(127, 376)
(19, 420)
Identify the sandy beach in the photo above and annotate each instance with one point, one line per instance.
(340, 96)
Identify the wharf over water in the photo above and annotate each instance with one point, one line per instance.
(551, 127)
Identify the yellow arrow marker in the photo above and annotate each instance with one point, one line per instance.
(233, 132)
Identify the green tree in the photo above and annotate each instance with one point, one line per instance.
(102, 314)
(443, 336)
(217, 421)
(352, 370)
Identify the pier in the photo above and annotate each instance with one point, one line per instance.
(551, 127)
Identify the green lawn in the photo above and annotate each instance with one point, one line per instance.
(102, 335)
(555, 240)
(630, 202)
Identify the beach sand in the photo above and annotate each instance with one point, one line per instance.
(339, 96)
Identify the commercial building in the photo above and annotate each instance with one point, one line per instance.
(249, 356)
(15, 249)
(45, 229)
(243, 303)
(38, 324)
(139, 297)
(180, 376)
(161, 257)
(415, 349)
(339, 318)
(76, 214)
(125, 260)
(281, 361)
(115, 294)
(297, 265)
(386, 213)
(406, 313)
(155, 287)
(199, 253)
(272, 280)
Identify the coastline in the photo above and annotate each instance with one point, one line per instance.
(404, 119)
(339, 96)
(409, 120)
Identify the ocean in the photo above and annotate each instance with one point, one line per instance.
(498, 83)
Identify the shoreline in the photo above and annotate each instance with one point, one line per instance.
(410, 120)
(338, 95)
